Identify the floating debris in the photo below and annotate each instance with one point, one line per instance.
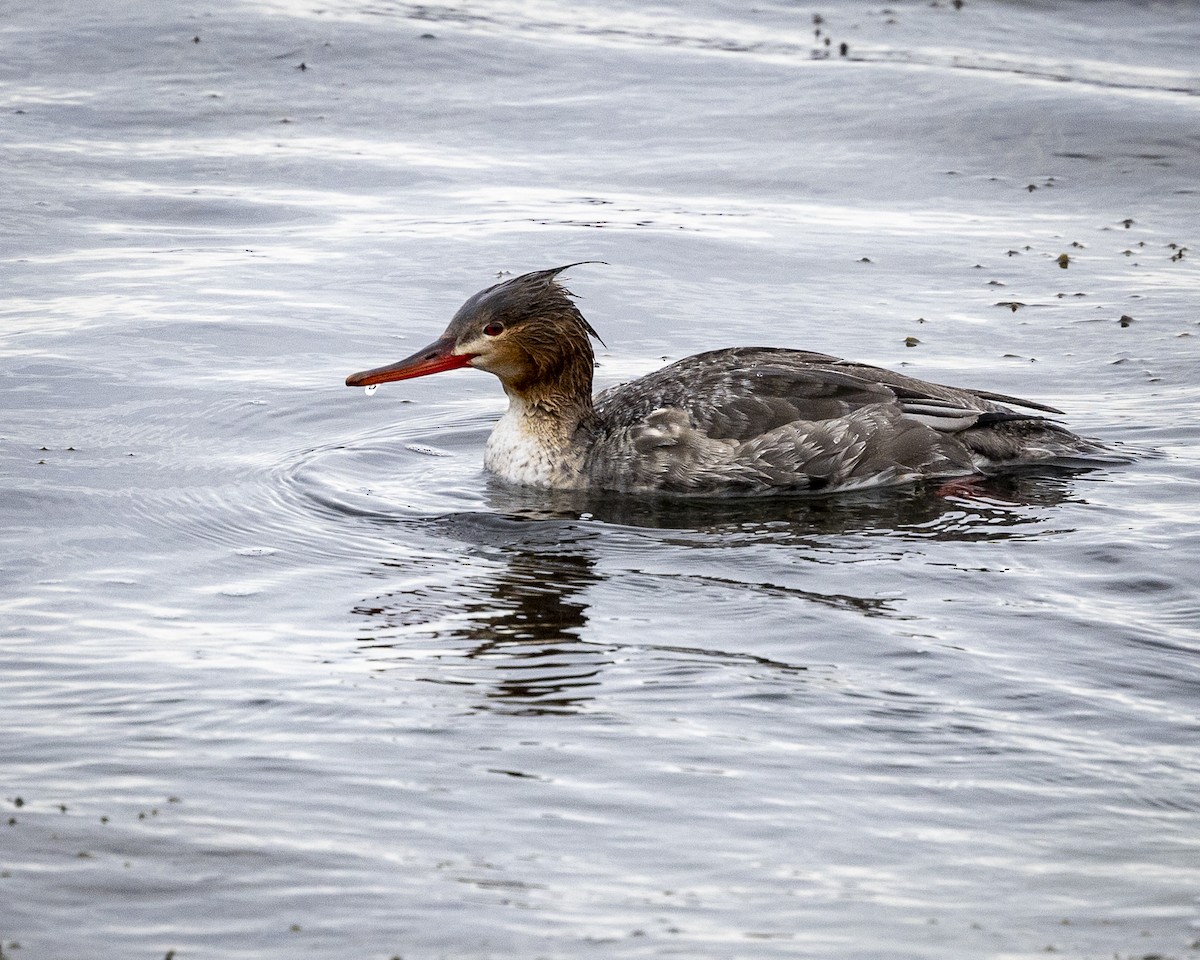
(1064, 260)
(427, 451)
(1125, 320)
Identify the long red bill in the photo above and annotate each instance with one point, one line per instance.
(435, 358)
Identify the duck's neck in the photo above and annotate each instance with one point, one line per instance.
(542, 438)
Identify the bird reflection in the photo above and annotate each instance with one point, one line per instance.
(522, 618)
(509, 616)
(992, 508)
(530, 628)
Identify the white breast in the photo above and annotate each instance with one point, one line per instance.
(519, 453)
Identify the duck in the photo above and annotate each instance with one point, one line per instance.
(731, 421)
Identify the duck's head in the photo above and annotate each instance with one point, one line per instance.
(527, 331)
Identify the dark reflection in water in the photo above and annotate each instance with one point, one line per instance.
(521, 613)
(993, 508)
(518, 619)
(526, 621)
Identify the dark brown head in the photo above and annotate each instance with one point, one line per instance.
(527, 331)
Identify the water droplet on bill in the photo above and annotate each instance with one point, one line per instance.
(371, 389)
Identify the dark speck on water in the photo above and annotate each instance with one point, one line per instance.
(416, 712)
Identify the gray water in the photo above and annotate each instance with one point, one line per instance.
(285, 675)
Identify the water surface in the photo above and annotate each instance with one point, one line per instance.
(285, 673)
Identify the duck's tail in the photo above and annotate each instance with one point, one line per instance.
(1000, 441)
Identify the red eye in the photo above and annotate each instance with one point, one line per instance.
(494, 329)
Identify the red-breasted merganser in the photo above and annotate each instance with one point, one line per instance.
(744, 420)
